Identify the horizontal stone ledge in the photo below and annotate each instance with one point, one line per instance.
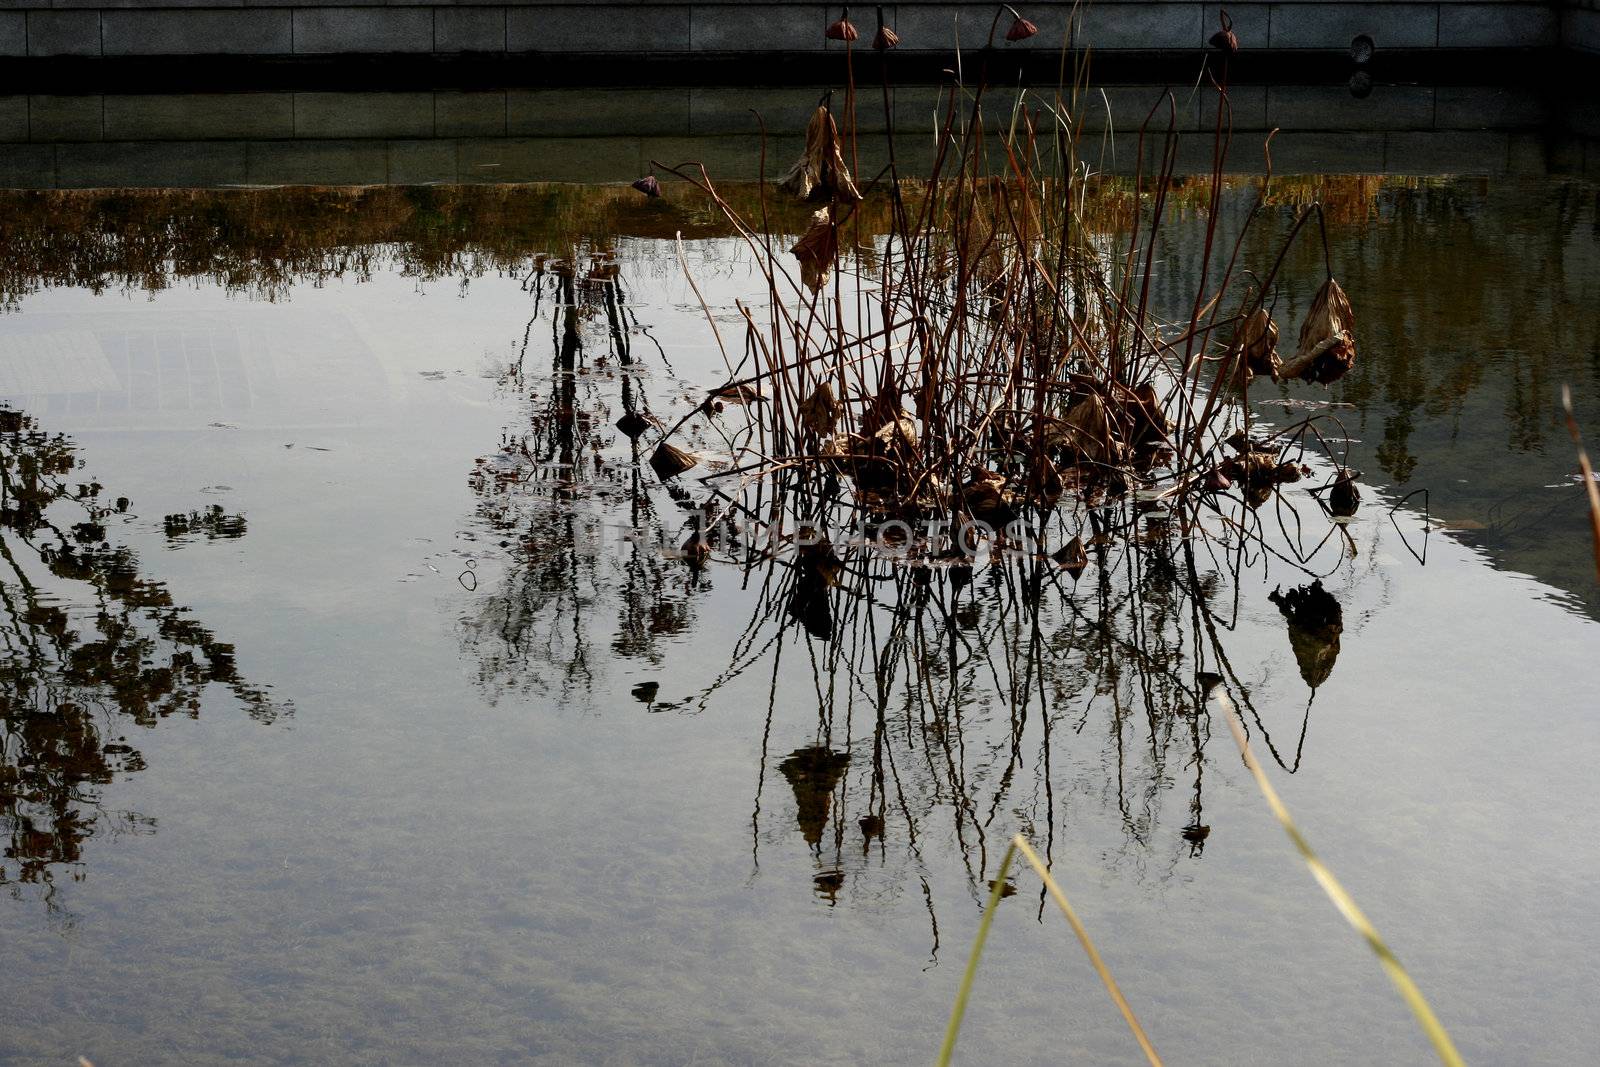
(715, 111)
(400, 161)
(218, 27)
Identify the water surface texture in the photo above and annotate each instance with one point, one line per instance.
(353, 709)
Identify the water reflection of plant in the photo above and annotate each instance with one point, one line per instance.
(92, 649)
(548, 491)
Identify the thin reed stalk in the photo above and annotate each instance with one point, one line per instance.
(1437, 1036)
(1586, 471)
(1019, 844)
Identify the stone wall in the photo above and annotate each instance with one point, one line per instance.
(611, 135)
(128, 28)
(1580, 26)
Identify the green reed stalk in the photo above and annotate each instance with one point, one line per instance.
(1342, 900)
(960, 1008)
(1587, 471)
(1020, 844)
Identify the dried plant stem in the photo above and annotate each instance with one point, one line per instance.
(1588, 474)
(1342, 900)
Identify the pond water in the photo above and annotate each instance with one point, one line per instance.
(382, 730)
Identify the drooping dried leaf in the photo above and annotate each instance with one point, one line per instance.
(633, 425)
(1021, 29)
(1150, 424)
(820, 172)
(985, 498)
(669, 461)
(1327, 338)
(1072, 558)
(1257, 344)
(886, 405)
(1260, 473)
(1087, 428)
(739, 394)
(842, 30)
(1225, 40)
(1344, 498)
(816, 250)
(819, 412)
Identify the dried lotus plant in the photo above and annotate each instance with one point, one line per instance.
(816, 250)
(1257, 343)
(820, 172)
(1327, 339)
(819, 411)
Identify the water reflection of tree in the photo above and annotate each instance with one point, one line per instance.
(92, 649)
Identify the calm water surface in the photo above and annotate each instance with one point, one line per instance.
(381, 754)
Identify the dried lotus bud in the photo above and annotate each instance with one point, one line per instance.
(843, 30)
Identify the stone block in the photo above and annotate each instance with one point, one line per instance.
(541, 159)
(27, 166)
(602, 28)
(63, 33)
(13, 119)
(199, 116)
(1124, 108)
(174, 164)
(186, 32)
(1497, 26)
(1526, 156)
(1249, 109)
(585, 112)
(726, 158)
(469, 29)
(1333, 26)
(362, 29)
(726, 110)
(330, 116)
(13, 33)
(1466, 107)
(1580, 30)
(138, 4)
(1331, 107)
(1448, 152)
(1318, 152)
(65, 118)
(422, 162)
(1139, 26)
(1581, 117)
(746, 27)
(469, 114)
(318, 162)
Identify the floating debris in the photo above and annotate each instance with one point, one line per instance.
(669, 461)
(212, 522)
